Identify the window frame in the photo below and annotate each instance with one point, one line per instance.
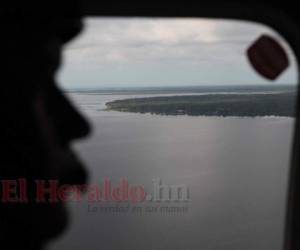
(281, 18)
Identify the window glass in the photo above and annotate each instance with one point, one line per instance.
(193, 143)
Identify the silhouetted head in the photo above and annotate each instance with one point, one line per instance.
(37, 121)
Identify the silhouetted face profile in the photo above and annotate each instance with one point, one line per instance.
(38, 125)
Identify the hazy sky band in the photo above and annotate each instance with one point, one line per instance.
(113, 52)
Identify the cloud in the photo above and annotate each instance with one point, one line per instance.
(123, 45)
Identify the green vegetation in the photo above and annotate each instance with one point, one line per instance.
(248, 105)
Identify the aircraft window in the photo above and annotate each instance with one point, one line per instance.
(192, 131)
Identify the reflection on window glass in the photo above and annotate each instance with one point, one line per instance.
(191, 146)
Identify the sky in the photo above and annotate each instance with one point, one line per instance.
(145, 52)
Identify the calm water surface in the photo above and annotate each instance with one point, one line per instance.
(236, 170)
